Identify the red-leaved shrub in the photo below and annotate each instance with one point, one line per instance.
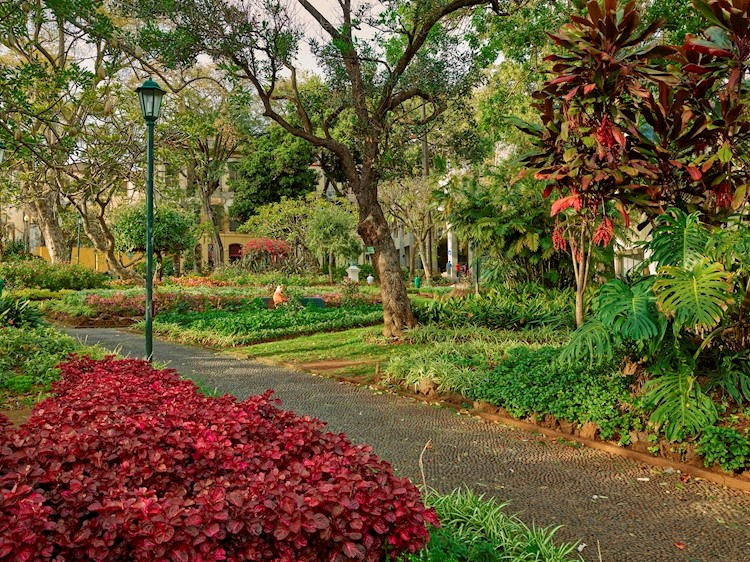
(131, 463)
(120, 304)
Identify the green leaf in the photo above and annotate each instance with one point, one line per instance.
(629, 311)
(725, 153)
(696, 297)
(592, 341)
(679, 405)
(679, 239)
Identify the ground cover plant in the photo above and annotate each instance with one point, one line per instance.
(522, 377)
(38, 274)
(127, 462)
(352, 353)
(258, 323)
(131, 302)
(522, 308)
(475, 528)
(27, 362)
(18, 313)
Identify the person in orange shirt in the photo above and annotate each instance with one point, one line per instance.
(278, 296)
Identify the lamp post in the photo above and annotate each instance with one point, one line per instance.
(26, 233)
(149, 96)
(78, 236)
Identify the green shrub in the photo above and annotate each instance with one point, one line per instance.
(500, 309)
(30, 274)
(453, 368)
(28, 357)
(255, 324)
(40, 294)
(725, 446)
(18, 313)
(531, 381)
(433, 333)
(477, 529)
(239, 276)
(72, 304)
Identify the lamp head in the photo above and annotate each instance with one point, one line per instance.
(149, 96)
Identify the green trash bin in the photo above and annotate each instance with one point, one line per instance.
(417, 282)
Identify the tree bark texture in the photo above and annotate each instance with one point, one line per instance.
(373, 228)
(212, 219)
(45, 211)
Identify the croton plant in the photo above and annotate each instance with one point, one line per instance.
(629, 124)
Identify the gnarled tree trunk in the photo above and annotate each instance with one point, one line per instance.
(212, 219)
(373, 228)
(45, 211)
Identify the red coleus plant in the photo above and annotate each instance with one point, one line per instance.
(120, 304)
(128, 462)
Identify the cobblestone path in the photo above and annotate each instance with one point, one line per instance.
(598, 498)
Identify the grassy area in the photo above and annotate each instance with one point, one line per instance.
(349, 353)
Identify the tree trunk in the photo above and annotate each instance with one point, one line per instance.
(104, 241)
(580, 309)
(45, 211)
(412, 259)
(215, 230)
(425, 261)
(177, 265)
(330, 268)
(581, 264)
(373, 228)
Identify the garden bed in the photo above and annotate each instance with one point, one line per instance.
(225, 329)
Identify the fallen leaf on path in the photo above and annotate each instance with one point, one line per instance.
(680, 545)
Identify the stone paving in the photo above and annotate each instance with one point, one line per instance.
(633, 512)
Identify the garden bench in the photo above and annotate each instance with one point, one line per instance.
(315, 302)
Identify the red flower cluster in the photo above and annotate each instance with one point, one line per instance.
(603, 233)
(131, 463)
(267, 246)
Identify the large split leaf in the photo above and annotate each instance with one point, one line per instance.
(679, 404)
(630, 310)
(679, 239)
(697, 297)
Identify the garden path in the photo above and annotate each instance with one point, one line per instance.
(634, 512)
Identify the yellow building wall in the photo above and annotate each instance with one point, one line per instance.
(91, 258)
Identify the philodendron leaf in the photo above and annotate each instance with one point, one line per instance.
(679, 239)
(696, 298)
(629, 310)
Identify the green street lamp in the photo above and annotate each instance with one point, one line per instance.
(149, 96)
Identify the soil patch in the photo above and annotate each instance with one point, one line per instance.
(330, 364)
(17, 417)
(104, 321)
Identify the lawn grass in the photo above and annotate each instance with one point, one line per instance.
(353, 353)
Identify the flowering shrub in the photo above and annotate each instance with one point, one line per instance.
(132, 463)
(266, 246)
(118, 304)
